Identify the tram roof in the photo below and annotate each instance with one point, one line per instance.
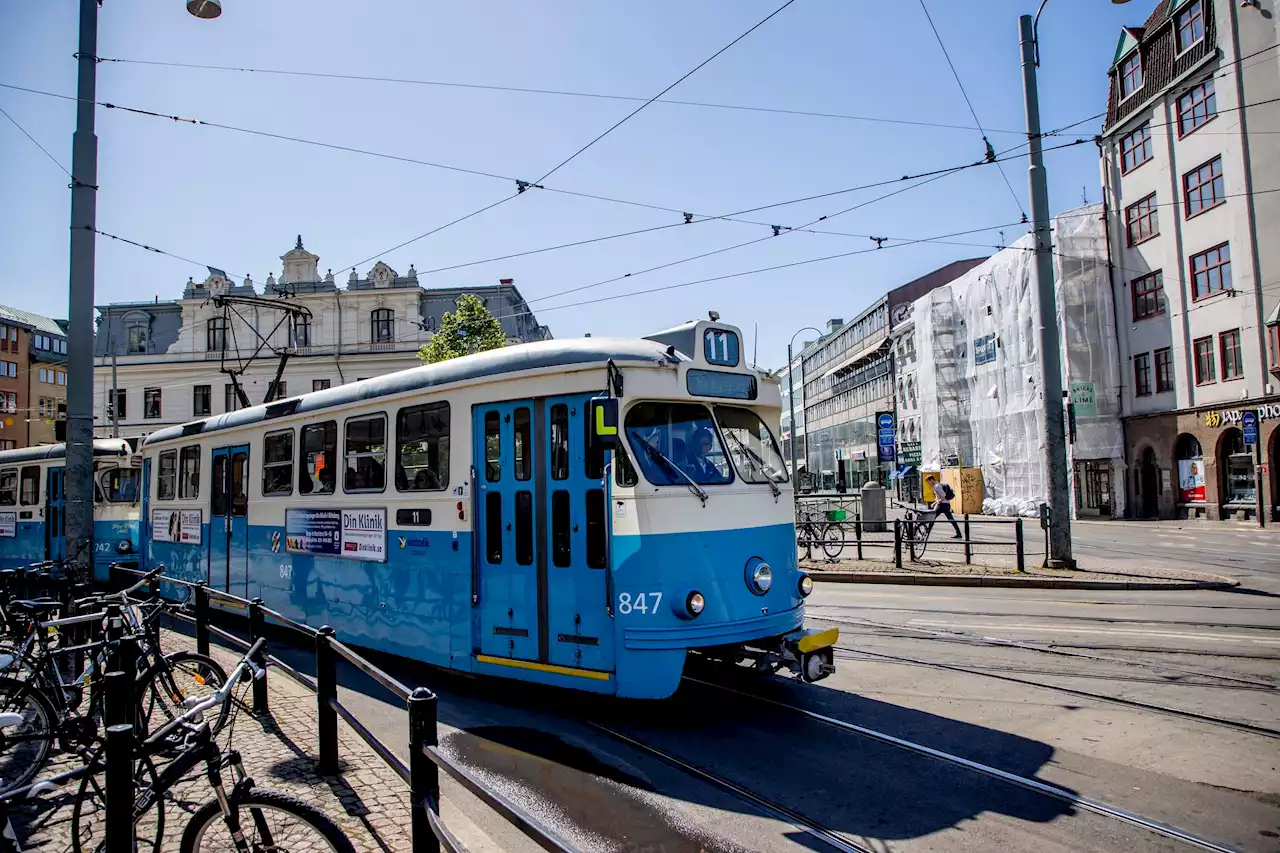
(101, 447)
(493, 363)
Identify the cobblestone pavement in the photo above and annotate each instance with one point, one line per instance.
(367, 800)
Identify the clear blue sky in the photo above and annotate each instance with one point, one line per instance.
(237, 201)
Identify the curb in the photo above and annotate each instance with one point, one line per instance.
(1008, 581)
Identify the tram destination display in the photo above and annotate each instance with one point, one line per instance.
(353, 534)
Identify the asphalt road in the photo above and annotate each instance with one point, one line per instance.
(1162, 703)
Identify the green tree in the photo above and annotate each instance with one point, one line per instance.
(470, 328)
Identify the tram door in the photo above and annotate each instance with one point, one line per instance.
(55, 515)
(541, 535)
(229, 522)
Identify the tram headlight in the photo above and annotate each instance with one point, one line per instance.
(124, 546)
(695, 603)
(759, 576)
(804, 586)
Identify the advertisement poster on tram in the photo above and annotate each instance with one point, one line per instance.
(353, 534)
(176, 525)
(1190, 480)
(8, 524)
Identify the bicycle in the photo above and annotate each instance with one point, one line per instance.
(917, 524)
(812, 528)
(218, 824)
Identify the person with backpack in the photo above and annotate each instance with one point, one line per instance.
(943, 495)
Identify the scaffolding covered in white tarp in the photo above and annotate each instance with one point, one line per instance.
(980, 375)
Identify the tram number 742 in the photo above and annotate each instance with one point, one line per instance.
(643, 602)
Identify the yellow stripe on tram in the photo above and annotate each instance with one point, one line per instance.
(545, 667)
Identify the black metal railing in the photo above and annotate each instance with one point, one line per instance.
(428, 832)
(909, 540)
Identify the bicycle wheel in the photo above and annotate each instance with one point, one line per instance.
(174, 678)
(269, 820)
(24, 748)
(88, 817)
(832, 540)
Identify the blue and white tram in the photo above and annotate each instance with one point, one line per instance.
(33, 504)
(466, 514)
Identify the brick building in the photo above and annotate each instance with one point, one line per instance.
(33, 377)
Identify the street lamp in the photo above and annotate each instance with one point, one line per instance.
(84, 187)
(795, 474)
(1050, 345)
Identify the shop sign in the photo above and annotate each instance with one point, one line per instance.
(1084, 399)
(1233, 417)
(909, 452)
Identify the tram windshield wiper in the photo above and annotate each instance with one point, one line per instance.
(658, 456)
(755, 462)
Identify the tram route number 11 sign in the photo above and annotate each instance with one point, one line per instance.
(353, 534)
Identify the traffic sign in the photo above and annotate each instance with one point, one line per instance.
(1249, 424)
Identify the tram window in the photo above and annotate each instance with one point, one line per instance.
(492, 447)
(596, 529)
(319, 459)
(524, 528)
(422, 448)
(167, 479)
(523, 443)
(594, 455)
(493, 527)
(189, 472)
(120, 485)
(9, 487)
(626, 472)
(218, 505)
(366, 450)
(277, 463)
(560, 528)
(30, 487)
(559, 442)
(675, 443)
(755, 452)
(239, 484)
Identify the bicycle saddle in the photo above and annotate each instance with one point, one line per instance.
(37, 605)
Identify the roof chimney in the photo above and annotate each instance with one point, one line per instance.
(506, 281)
(833, 324)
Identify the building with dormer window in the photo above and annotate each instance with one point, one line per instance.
(165, 362)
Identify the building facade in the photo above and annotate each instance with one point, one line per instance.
(168, 362)
(33, 377)
(849, 388)
(793, 401)
(1190, 167)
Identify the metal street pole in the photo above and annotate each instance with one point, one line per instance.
(795, 472)
(84, 186)
(1050, 346)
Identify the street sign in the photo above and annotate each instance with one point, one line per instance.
(1249, 424)
(886, 436)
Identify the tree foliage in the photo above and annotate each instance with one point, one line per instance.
(468, 329)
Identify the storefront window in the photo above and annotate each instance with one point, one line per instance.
(1240, 486)
(1190, 469)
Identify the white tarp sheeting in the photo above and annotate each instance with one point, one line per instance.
(978, 341)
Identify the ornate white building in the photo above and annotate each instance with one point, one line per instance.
(168, 362)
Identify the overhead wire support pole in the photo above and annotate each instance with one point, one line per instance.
(1050, 345)
(84, 180)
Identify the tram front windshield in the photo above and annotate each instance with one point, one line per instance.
(121, 485)
(753, 449)
(675, 443)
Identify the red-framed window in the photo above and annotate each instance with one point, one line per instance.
(1135, 148)
(1141, 220)
(1205, 369)
(1148, 295)
(1131, 74)
(1273, 344)
(1142, 374)
(1232, 355)
(1189, 25)
(1211, 271)
(1164, 370)
(1203, 188)
(1196, 106)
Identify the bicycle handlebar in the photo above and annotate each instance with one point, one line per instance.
(218, 697)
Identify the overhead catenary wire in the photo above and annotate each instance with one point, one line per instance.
(956, 74)
(34, 142)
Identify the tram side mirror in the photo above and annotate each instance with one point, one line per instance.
(602, 413)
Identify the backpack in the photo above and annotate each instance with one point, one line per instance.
(945, 492)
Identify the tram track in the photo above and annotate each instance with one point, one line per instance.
(1047, 789)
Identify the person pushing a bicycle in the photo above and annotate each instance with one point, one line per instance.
(943, 495)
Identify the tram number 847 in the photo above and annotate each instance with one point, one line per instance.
(643, 602)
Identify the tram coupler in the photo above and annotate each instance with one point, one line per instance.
(809, 652)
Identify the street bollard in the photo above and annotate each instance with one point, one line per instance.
(119, 785)
(326, 692)
(202, 617)
(897, 543)
(257, 629)
(968, 548)
(424, 776)
(857, 531)
(1018, 540)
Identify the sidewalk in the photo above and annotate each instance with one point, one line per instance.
(368, 800)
